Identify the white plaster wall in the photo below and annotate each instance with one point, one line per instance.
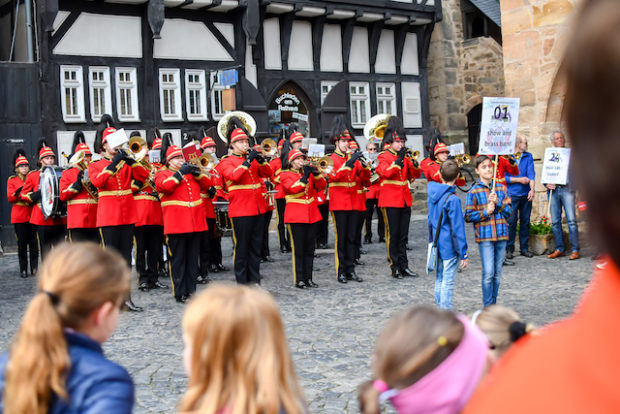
(300, 49)
(227, 30)
(409, 61)
(90, 35)
(60, 17)
(386, 56)
(412, 105)
(188, 40)
(331, 49)
(271, 35)
(416, 143)
(359, 61)
(250, 67)
(64, 140)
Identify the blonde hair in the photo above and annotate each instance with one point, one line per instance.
(240, 361)
(74, 280)
(502, 327)
(408, 348)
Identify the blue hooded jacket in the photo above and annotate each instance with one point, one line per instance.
(452, 241)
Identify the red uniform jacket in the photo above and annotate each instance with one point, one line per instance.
(207, 201)
(116, 204)
(395, 180)
(181, 201)
(244, 185)
(373, 190)
(148, 206)
(363, 182)
(276, 166)
(505, 165)
(36, 216)
(218, 181)
(20, 211)
(431, 168)
(302, 205)
(342, 183)
(81, 207)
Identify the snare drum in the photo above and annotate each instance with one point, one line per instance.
(51, 206)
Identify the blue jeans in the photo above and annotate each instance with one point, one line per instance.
(492, 257)
(444, 282)
(521, 211)
(562, 197)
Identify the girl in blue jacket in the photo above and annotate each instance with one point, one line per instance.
(452, 243)
(56, 364)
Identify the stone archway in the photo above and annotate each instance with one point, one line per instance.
(288, 104)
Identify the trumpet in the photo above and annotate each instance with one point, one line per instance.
(462, 159)
(138, 148)
(268, 148)
(412, 154)
(78, 160)
(324, 164)
(206, 162)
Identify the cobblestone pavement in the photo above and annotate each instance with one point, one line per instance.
(331, 330)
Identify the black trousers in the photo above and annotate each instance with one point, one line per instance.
(345, 249)
(119, 238)
(26, 243)
(372, 205)
(215, 242)
(183, 249)
(282, 235)
(149, 240)
(396, 233)
(359, 225)
(323, 225)
(265, 246)
(303, 238)
(248, 239)
(49, 236)
(85, 235)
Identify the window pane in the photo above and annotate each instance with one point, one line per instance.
(388, 107)
(362, 112)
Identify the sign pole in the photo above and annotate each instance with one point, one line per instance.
(548, 215)
(494, 173)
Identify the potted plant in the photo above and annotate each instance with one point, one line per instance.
(541, 237)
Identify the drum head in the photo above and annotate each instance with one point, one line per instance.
(48, 185)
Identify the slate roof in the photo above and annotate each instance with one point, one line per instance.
(490, 8)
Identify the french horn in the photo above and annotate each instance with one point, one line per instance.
(375, 127)
(246, 119)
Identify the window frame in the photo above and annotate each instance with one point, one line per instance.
(104, 84)
(202, 116)
(362, 99)
(330, 85)
(78, 85)
(133, 87)
(175, 87)
(381, 98)
(216, 88)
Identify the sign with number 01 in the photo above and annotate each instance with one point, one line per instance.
(498, 129)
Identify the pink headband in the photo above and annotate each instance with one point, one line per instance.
(447, 388)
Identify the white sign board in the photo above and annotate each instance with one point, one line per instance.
(316, 150)
(498, 129)
(555, 166)
(457, 149)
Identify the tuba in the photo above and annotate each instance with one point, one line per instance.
(375, 127)
(246, 119)
(78, 160)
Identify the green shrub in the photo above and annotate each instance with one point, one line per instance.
(541, 226)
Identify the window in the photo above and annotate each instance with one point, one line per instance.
(326, 87)
(386, 98)
(360, 104)
(127, 94)
(195, 95)
(100, 95)
(72, 94)
(217, 106)
(170, 95)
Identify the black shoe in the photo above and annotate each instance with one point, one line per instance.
(342, 278)
(322, 246)
(396, 274)
(203, 280)
(213, 268)
(362, 251)
(132, 307)
(408, 247)
(408, 272)
(285, 249)
(354, 276)
(358, 262)
(527, 254)
(222, 267)
(509, 255)
(23, 274)
(266, 259)
(301, 285)
(158, 285)
(33, 272)
(367, 241)
(310, 283)
(182, 299)
(508, 262)
(144, 287)
(381, 240)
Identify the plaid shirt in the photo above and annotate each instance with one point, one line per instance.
(488, 227)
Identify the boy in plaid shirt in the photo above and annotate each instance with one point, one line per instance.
(489, 210)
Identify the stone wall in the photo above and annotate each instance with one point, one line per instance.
(482, 68)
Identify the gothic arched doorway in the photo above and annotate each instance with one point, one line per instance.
(290, 104)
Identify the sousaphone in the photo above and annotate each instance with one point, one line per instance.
(375, 127)
(246, 119)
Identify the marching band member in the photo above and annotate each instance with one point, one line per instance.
(430, 168)
(114, 175)
(300, 183)
(372, 204)
(243, 173)
(184, 218)
(362, 182)
(80, 195)
(210, 242)
(342, 191)
(277, 165)
(148, 229)
(323, 225)
(20, 215)
(265, 187)
(52, 230)
(221, 217)
(396, 170)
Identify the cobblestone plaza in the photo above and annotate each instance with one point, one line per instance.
(331, 330)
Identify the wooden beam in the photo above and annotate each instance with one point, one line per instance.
(374, 34)
(347, 38)
(64, 28)
(220, 38)
(318, 25)
(286, 26)
(400, 33)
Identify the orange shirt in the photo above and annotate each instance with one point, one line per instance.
(569, 367)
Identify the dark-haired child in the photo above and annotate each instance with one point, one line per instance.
(451, 243)
(489, 208)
